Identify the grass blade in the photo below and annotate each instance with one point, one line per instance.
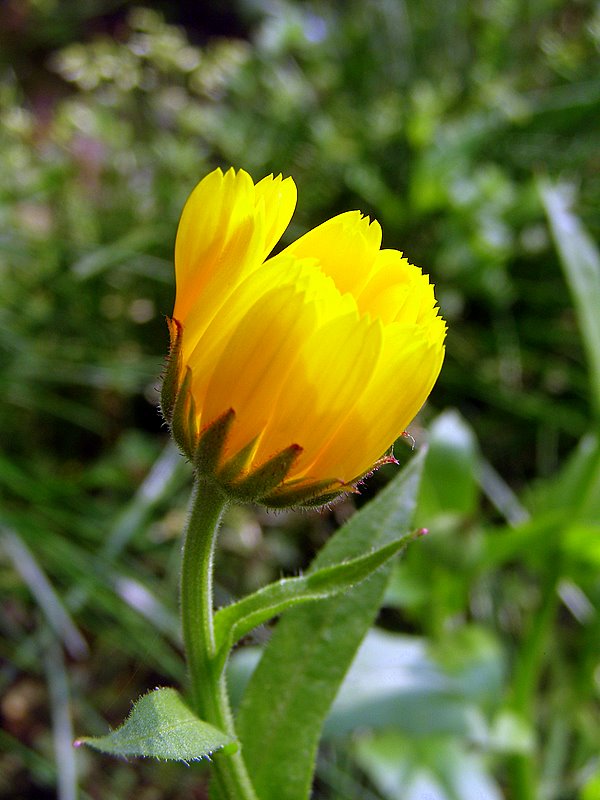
(40, 587)
(62, 729)
(581, 262)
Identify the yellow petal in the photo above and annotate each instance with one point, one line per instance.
(346, 247)
(403, 379)
(224, 233)
(257, 360)
(387, 292)
(279, 198)
(328, 374)
(205, 338)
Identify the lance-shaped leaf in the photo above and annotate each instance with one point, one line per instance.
(161, 725)
(238, 619)
(581, 263)
(289, 694)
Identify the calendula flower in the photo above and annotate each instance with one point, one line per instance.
(290, 377)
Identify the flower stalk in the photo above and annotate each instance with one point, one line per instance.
(208, 689)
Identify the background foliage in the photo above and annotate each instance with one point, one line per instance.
(464, 128)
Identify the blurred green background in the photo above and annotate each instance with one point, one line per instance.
(470, 130)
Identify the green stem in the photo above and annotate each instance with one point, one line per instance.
(208, 688)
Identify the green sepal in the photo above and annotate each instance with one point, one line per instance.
(170, 385)
(205, 448)
(319, 493)
(238, 619)
(266, 484)
(160, 725)
(307, 494)
(263, 480)
(183, 421)
(212, 443)
(235, 466)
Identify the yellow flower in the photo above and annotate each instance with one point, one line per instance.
(290, 376)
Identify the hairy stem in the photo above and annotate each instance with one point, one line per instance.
(208, 688)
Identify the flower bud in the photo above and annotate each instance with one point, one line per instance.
(289, 377)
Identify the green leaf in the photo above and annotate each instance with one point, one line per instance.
(575, 491)
(449, 484)
(581, 262)
(160, 725)
(395, 681)
(436, 768)
(238, 619)
(566, 510)
(289, 695)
